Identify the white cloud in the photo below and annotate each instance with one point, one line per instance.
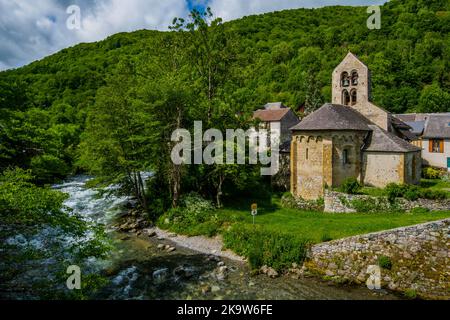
(31, 30)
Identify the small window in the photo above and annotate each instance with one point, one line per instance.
(345, 98)
(354, 96)
(436, 146)
(345, 157)
(307, 153)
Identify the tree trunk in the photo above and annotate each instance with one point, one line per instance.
(219, 192)
(142, 192)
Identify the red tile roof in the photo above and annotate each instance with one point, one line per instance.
(270, 115)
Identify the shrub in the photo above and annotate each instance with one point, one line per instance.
(350, 186)
(394, 191)
(385, 262)
(412, 193)
(431, 173)
(194, 216)
(446, 177)
(263, 247)
(433, 194)
(411, 294)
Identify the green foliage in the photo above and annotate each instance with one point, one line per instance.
(420, 210)
(394, 191)
(194, 216)
(385, 262)
(263, 246)
(374, 205)
(27, 210)
(412, 192)
(410, 294)
(350, 186)
(431, 173)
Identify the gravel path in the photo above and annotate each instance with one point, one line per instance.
(201, 244)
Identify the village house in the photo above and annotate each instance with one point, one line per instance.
(277, 112)
(351, 138)
(432, 131)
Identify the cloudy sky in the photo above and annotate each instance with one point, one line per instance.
(31, 30)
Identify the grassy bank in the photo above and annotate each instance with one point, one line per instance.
(281, 235)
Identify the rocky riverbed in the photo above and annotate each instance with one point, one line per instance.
(148, 263)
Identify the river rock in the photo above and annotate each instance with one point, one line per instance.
(151, 234)
(171, 249)
(221, 264)
(160, 246)
(270, 272)
(172, 235)
(221, 273)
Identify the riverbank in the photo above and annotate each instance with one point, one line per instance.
(202, 244)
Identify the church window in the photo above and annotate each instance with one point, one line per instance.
(345, 98)
(345, 81)
(354, 97)
(345, 157)
(355, 78)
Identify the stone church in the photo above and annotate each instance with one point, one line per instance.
(351, 138)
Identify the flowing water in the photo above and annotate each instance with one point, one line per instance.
(137, 269)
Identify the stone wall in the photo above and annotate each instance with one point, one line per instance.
(380, 168)
(337, 202)
(419, 257)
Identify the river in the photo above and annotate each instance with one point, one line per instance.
(137, 269)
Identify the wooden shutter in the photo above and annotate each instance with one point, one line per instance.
(441, 146)
(430, 145)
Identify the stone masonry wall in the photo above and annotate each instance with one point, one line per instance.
(337, 202)
(420, 257)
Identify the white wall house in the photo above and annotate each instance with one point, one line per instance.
(433, 136)
(436, 141)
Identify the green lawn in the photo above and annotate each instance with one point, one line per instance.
(318, 226)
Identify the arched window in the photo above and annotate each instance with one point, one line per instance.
(345, 81)
(345, 98)
(345, 159)
(355, 78)
(354, 96)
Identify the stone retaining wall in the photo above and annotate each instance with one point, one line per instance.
(337, 202)
(419, 255)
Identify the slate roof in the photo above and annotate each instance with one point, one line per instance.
(437, 126)
(334, 117)
(338, 117)
(417, 127)
(270, 115)
(383, 141)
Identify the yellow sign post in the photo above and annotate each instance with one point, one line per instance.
(254, 211)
